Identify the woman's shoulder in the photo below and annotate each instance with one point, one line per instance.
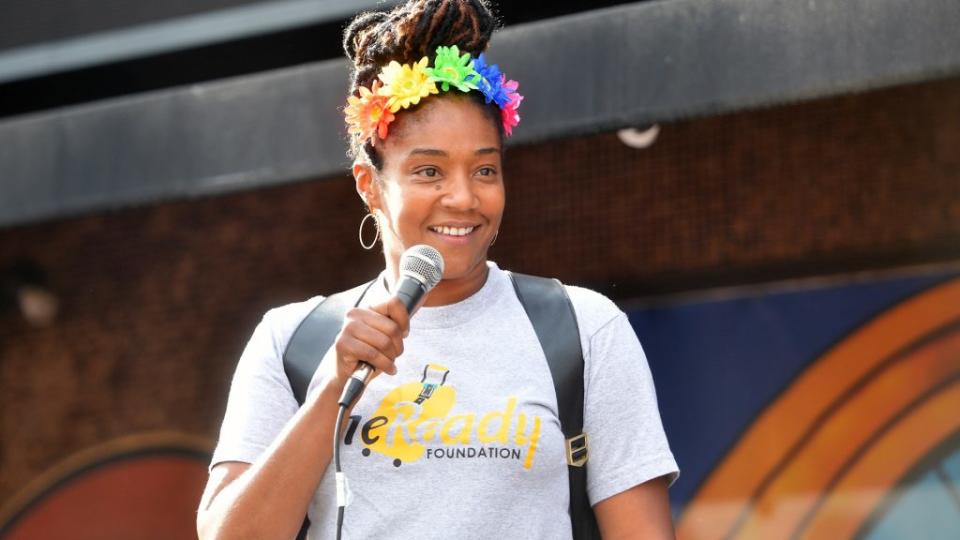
(282, 321)
(593, 310)
(293, 312)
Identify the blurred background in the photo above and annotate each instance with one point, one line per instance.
(769, 188)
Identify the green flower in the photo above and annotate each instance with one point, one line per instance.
(452, 69)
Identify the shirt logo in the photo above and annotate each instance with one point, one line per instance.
(417, 420)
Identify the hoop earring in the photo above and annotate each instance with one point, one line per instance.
(495, 235)
(376, 225)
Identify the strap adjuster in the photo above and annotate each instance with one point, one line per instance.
(576, 448)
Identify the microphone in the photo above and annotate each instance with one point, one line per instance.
(421, 268)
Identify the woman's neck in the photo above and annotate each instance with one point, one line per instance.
(450, 291)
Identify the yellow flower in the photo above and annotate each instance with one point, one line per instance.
(406, 84)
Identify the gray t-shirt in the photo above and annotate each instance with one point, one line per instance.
(464, 441)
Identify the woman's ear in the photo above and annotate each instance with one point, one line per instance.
(366, 185)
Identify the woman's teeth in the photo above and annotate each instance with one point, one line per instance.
(453, 231)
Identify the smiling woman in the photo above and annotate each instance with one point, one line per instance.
(440, 184)
(468, 377)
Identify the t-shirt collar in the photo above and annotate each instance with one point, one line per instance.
(452, 314)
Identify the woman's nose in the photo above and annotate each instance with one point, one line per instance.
(460, 194)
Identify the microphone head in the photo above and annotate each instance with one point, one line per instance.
(423, 263)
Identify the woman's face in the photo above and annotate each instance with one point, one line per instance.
(441, 185)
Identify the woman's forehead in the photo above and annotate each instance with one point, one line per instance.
(443, 127)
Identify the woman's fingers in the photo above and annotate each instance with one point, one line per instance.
(372, 335)
(397, 313)
(351, 351)
(399, 321)
(379, 332)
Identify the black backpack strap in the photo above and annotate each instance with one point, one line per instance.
(550, 311)
(310, 342)
(314, 336)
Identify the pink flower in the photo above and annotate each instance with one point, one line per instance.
(509, 113)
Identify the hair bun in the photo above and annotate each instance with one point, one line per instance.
(359, 28)
(413, 30)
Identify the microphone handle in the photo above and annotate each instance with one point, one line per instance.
(410, 291)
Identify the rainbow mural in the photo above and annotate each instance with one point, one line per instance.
(826, 411)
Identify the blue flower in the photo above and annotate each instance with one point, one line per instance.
(491, 83)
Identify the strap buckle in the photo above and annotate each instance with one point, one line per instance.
(577, 448)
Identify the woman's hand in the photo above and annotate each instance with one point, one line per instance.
(373, 335)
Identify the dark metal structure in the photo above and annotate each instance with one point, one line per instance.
(611, 68)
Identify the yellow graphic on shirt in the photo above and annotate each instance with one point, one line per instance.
(417, 412)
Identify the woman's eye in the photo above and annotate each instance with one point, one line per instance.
(487, 171)
(429, 172)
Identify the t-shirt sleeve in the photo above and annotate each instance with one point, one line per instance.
(261, 401)
(627, 442)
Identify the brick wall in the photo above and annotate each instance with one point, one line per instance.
(158, 301)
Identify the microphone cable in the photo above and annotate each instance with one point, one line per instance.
(351, 391)
(421, 268)
(338, 471)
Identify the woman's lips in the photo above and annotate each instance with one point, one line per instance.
(452, 230)
(454, 234)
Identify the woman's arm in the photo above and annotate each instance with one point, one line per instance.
(630, 462)
(269, 498)
(642, 511)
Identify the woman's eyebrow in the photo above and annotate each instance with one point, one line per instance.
(441, 153)
(427, 152)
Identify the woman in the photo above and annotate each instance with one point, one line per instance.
(481, 454)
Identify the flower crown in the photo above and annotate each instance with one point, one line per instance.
(400, 86)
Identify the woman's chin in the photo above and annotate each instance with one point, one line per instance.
(456, 270)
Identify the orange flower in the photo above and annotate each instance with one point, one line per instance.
(369, 114)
